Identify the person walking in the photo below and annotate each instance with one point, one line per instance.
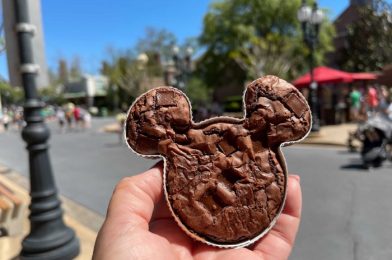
(86, 119)
(355, 104)
(372, 101)
(120, 118)
(69, 115)
(6, 120)
(383, 99)
(389, 110)
(60, 115)
(77, 116)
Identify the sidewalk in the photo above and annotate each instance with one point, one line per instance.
(335, 135)
(82, 220)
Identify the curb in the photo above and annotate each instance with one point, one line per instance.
(324, 144)
(82, 220)
(84, 215)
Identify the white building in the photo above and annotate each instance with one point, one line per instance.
(87, 90)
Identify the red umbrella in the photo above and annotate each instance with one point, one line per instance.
(364, 76)
(323, 75)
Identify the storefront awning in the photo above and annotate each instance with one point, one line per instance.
(323, 75)
(364, 76)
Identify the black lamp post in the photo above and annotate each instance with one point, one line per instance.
(310, 19)
(49, 237)
(182, 68)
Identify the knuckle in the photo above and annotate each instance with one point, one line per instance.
(124, 184)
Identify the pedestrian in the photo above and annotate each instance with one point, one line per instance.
(120, 118)
(340, 116)
(355, 104)
(389, 110)
(6, 120)
(60, 115)
(86, 119)
(383, 99)
(77, 116)
(69, 115)
(18, 119)
(140, 226)
(372, 101)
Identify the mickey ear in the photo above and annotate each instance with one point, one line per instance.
(156, 116)
(278, 108)
(297, 126)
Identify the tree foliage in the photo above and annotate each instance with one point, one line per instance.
(63, 73)
(157, 43)
(126, 71)
(198, 92)
(123, 72)
(261, 37)
(9, 94)
(51, 94)
(369, 40)
(75, 71)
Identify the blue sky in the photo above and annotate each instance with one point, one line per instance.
(86, 28)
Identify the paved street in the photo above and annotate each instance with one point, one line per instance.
(346, 211)
(87, 165)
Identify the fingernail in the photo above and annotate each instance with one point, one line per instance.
(296, 177)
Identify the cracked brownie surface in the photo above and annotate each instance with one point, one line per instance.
(225, 177)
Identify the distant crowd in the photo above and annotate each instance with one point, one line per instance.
(69, 117)
(12, 117)
(73, 117)
(370, 102)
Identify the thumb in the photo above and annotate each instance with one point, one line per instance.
(133, 199)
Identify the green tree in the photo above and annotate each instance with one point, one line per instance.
(124, 72)
(9, 94)
(157, 42)
(369, 39)
(2, 41)
(124, 69)
(198, 92)
(63, 73)
(260, 37)
(128, 74)
(75, 71)
(51, 94)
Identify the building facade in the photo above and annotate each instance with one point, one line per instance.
(87, 89)
(342, 22)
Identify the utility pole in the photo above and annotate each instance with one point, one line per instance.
(49, 237)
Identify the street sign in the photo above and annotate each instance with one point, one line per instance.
(14, 66)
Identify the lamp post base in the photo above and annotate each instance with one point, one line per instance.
(315, 126)
(62, 245)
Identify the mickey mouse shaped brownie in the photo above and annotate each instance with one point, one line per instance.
(224, 178)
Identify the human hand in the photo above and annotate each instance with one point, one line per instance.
(139, 225)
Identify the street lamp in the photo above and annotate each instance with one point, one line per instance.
(182, 67)
(49, 237)
(310, 19)
(142, 60)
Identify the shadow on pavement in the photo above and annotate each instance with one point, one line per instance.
(355, 164)
(347, 152)
(358, 165)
